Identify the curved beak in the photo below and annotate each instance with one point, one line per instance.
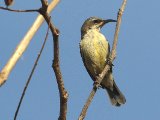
(107, 21)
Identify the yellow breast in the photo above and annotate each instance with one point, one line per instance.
(94, 50)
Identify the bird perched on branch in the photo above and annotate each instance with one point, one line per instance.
(95, 50)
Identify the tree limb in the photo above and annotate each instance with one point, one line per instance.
(56, 67)
(8, 9)
(107, 67)
(30, 76)
(24, 44)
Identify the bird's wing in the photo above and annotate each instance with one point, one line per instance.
(109, 55)
(84, 62)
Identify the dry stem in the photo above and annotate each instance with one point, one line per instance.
(24, 44)
(56, 67)
(30, 76)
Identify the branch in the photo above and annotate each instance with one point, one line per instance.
(8, 9)
(56, 67)
(119, 19)
(30, 76)
(24, 44)
(107, 67)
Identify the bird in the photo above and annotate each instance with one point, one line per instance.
(95, 50)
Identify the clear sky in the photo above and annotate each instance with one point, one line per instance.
(136, 69)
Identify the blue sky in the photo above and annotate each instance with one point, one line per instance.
(136, 69)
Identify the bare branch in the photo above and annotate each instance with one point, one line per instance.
(8, 9)
(30, 76)
(119, 19)
(24, 44)
(88, 102)
(56, 67)
(107, 67)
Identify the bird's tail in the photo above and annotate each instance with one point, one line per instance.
(115, 95)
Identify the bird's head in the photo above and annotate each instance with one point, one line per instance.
(94, 23)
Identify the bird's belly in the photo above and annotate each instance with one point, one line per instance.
(95, 56)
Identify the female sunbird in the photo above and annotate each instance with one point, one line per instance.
(95, 50)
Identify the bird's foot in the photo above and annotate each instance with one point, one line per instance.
(97, 84)
(109, 62)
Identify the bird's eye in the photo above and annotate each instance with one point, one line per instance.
(96, 21)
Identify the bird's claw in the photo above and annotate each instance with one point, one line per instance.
(97, 84)
(109, 62)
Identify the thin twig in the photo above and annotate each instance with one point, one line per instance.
(56, 67)
(24, 44)
(107, 67)
(30, 76)
(119, 19)
(88, 102)
(8, 9)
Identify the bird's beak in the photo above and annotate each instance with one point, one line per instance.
(107, 21)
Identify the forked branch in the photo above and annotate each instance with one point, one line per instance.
(56, 67)
(20, 49)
